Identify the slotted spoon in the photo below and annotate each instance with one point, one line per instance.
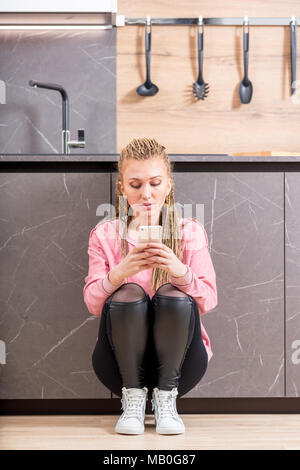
(200, 87)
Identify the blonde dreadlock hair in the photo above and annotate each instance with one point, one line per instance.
(145, 149)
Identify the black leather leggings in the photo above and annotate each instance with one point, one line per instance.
(149, 342)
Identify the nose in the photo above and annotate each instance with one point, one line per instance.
(146, 193)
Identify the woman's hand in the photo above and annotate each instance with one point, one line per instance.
(165, 258)
(135, 261)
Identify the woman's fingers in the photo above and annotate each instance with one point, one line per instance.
(140, 246)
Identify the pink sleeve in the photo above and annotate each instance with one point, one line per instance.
(200, 279)
(97, 287)
(183, 280)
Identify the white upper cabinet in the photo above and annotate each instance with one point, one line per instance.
(58, 6)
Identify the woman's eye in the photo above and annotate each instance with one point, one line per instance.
(137, 187)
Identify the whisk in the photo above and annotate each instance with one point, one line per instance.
(200, 87)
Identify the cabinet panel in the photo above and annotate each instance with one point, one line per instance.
(243, 217)
(244, 222)
(292, 270)
(47, 333)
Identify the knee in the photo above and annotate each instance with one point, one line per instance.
(130, 292)
(170, 291)
(168, 300)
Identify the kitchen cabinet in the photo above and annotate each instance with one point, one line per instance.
(48, 333)
(244, 220)
(292, 270)
(48, 207)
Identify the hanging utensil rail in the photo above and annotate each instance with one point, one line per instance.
(121, 20)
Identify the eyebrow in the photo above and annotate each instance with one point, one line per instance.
(152, 177)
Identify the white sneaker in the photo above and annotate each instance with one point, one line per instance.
(132, 420)
(166, 417)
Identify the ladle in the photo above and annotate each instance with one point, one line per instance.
(148, 88)
(245, 88)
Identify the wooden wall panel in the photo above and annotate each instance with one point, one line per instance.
(220, 124)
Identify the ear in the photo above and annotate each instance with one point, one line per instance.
(120, 187)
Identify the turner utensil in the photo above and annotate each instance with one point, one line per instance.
(200, 87)
(293, 36)
(246, 87)
(148, 88)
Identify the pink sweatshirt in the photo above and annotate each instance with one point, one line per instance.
(105, 253)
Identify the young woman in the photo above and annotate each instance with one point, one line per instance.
(149, 295)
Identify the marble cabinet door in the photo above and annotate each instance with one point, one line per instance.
(243, 216)
(47, 334)
(292, 276)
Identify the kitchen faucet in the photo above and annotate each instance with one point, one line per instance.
(66, 142)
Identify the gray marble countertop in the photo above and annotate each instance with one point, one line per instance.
(108, 158)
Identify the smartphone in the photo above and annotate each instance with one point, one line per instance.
(149, 233)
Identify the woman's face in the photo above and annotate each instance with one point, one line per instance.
(146, 181)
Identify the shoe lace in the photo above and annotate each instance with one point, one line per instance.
(134, 405)
(166, 405)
